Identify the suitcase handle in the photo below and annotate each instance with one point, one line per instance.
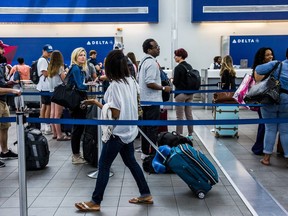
(151, 143)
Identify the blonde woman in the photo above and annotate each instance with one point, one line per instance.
(56, 74)
(227, 73)
(76, 77)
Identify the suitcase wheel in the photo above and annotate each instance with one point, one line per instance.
(200, 194)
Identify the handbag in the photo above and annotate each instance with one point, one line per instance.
(223, 97)
(267, 91)
(140, 111)
(247, 82)
(68, 96)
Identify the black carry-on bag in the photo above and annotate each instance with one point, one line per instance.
(192, 166)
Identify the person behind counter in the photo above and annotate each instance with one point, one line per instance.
(217, 63)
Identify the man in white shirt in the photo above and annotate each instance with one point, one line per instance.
(150, 90)
(43, 86)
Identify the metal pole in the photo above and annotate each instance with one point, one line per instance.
(94, 174)
(21, 163)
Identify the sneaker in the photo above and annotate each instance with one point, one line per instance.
(143, 156)
(9, 155)
(2, 164)
(190, 137)
(78, 160)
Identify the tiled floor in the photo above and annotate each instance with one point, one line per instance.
(54, 190)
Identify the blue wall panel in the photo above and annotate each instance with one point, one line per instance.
(198, 15)
(14, 11)
(245, 47)
(31, 48)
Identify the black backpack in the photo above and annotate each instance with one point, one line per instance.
(34, 77)
(36, 149)
(172, 139)
(193, 79)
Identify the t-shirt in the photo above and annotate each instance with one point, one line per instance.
(55, 80)
(123, 97)
(149, 73)
(43, 84)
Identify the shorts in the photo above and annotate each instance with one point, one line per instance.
(4, 112)
(45, 99)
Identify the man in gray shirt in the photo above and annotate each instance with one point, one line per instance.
(150, 90)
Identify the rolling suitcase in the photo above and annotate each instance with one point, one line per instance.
(192, 166)
(90, 138)
(226, 112)
(163, 116)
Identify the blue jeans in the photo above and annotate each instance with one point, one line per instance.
(276, 111)
(109, 152)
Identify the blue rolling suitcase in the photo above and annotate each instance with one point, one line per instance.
(192, 166)
(226, 112)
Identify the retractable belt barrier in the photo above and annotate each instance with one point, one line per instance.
(154, 122)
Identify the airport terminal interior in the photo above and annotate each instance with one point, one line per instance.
(206, 29)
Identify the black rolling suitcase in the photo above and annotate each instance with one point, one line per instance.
(36, 149)
(193, 167)
(90, 138)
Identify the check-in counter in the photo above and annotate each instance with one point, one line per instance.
(213, 77)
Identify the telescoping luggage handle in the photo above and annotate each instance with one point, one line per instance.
(151, 143)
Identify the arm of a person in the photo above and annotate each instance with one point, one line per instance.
(176, 78)
(265, 68)
(4, 91)
(78, 79)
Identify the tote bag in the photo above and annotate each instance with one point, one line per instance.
(267, 91)
(247, 82)
(68, 97)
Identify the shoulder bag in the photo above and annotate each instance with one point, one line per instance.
(267, 91)
(68, 96)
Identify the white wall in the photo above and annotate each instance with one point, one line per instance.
(201, 40)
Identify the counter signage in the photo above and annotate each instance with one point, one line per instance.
(245, 47)
(227, 10)
(31, 48)
(79, 11)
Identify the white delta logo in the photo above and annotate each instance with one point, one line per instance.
(99, 42)
(245, 40)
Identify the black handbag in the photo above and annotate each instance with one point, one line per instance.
(267, 91)
(68, 96)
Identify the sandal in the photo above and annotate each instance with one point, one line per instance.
(54, 137)
(265, 162)
(87, 206)
(64, 138)
(142, 200)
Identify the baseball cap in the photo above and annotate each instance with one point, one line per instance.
(2, 45)
(48, 48)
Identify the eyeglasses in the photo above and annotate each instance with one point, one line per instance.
(156, 47)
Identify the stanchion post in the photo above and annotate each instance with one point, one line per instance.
(21, 163)
(94, 174)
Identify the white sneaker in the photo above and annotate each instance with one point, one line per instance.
(42, 128)
(143, 156)
(78, 160)
(48, 129)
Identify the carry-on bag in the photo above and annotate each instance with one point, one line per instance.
(163, 116)
(192, 166)
(36, 149)
(172, 139)
(226, 112)
(90, 138)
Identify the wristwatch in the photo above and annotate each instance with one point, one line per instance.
(163, 88)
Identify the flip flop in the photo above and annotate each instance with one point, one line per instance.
(64, 138)
(262, 161)
(54, 137)
(87, 206)
(142, 200)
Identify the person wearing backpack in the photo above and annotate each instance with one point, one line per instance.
(179, 81)
(43, 86)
